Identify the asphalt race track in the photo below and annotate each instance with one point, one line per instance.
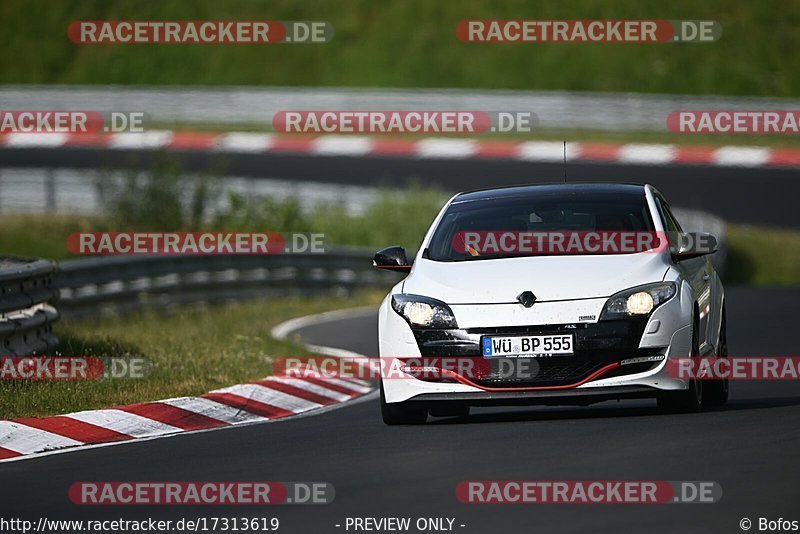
(765, 196)
(749, 447)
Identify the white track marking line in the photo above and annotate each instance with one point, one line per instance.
(547, 151)
(213, 409)
(349, 385)
(357, 381)
(446, 148)
(314, 388)
(26, 440)
(130, 140)
(270, 396)
(244, 142)
(648, 154)
(341, 145)
(741, 156)
(124, 422)
(25, 140)
(284, 329)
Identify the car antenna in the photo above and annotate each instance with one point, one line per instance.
(565, 161)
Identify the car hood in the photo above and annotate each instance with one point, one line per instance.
(548, 277)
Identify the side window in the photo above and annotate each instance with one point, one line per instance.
(668, 220)
(672, 222)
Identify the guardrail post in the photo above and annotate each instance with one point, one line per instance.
(50, 190)
(27, 312)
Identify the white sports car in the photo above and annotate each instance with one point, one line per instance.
(549, 294)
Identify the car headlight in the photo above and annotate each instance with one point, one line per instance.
(424, 312)
(638, 301)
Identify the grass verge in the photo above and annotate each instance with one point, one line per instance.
(393, 218)
(43, 236)
(413, 44)
(763, 256)
(191, 352)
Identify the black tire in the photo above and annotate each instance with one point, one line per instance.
(689, 400)
(716, 393)
(401, 413)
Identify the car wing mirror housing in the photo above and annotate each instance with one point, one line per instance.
(687, 245)
(391, 259)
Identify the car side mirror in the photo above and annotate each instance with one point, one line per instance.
(693, 245)
(392, 259)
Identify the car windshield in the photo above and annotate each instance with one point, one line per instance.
(500, 227)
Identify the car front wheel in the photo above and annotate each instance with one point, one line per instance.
(689, 400)
(717, 390)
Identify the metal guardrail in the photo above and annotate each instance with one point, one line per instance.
(257, 105)
(118, 284)
(27, 313)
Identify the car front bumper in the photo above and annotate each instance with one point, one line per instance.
(594, 373)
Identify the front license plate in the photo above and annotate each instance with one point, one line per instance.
(551, 345)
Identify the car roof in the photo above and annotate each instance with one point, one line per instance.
(555, 189)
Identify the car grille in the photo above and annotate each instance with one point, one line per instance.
(597, 345)
(548, 371)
